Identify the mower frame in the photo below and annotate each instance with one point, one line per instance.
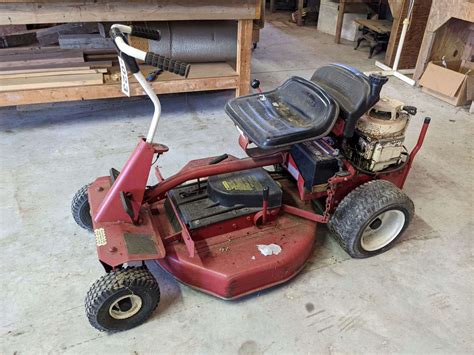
(130, 216)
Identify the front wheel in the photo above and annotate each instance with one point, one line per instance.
(122, 299)
(80, 209)
(371, 218)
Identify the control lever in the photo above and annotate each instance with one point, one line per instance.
(255, 84)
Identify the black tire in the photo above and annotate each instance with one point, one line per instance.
(81, 210)
(110, 288)
(359, 212)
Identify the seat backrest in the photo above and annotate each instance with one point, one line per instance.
(296, 111)
(351, 89)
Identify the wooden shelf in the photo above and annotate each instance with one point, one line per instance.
(202, 77)
(54, 11)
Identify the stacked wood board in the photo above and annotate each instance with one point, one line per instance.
(21, 35)
(51, 67)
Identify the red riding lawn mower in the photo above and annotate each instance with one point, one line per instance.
(325, 150)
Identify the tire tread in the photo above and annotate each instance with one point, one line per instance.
(109, 283)
(359, 206)
(78, 201)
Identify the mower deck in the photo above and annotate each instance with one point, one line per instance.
(230, 265)
(226, 262)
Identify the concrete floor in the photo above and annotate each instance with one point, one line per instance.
(415, 298)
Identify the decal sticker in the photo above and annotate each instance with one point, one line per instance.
(100, 238)
(124, 77)
(242, 184)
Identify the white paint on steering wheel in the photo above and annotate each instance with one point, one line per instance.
(125, 307)
(382, 230)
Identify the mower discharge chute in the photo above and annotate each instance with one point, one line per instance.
(325, 150)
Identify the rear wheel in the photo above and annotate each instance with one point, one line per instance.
(371, 218)
(81, 210)
(122, 299)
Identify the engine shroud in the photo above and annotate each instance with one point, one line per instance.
(380, 135)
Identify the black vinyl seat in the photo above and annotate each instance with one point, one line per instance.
(354, 92)
(296, 111)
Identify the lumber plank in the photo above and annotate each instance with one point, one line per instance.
(110, 91)
(244, 55)
(85, 41)
(40, 69)
(51, 35)
(54, 67)
(21, 60)
(50, 82)
(41, 54)
(42, 61)
(151, 10)
(18, 39)
(29, 50)
(379, 26)
(9, 29)
(51, 73)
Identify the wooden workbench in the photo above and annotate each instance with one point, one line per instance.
(342, 11)
(203, 76)
(399, 10)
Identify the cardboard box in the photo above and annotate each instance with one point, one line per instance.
(453, 83)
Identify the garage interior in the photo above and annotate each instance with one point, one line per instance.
(414, 298)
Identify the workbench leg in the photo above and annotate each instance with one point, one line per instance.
(299, 20)
(244, 55)
(340, 19)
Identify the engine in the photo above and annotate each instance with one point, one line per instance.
(379, 136)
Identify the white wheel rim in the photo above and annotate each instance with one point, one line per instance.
(125, 307)
(382, 230)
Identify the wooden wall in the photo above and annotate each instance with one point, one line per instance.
(414, 35)
(451, 40)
